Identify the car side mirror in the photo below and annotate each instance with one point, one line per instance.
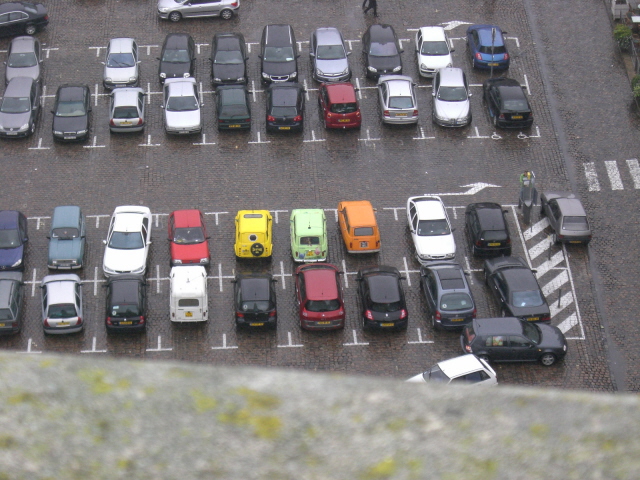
(232, 281)
(453, 230)
(470, 94)
(298, 56)
(4, 63)
(149, 242)
(401, 50)
(341, 273)
(534, 271)
(49, 237)
(157, 58)
(139, 62)
(104, 241)
(468, 274)
(104, 286)
(161, 106)
(311, 54)
(103, 63)
(274, 280)
(452, 50)
(505, 211)
(348, 53)
(53, 112)
(433, 93)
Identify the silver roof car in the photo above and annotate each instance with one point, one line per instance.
(451, 106)
(182, 107)
(567, 217)
(175, 10)
(62, 303)
(121, 63)
(127, 110)
(463, 370)
(19, 106)
(397, 99)
(24, 58)
(329, 56)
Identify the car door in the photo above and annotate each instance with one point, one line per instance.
(16, 21)
(193, 8)
(521, 349)
(497, 347)
(300, 291)
(146, 234)
(35, 102)
(383, 94)
(431, 292)
(411, 212)
(78, 291)
(141, 106)
(418, 46)
(499, 288)
(83, 235)
(22, 225)
(192, 56)
(555, 215)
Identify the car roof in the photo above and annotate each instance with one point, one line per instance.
(9, 219)
(343, 92)
(398, 85)
(71, 92)
(506, 262)
(253, 223)
(126, 96)
(490, 216)
(285, 94)
(229, 41)
(11, 6)
(7, 279)
(429, 207)
(462, 365)
(328, 36)
(278, 35)
(23, 44)
(309, 221)
(361, 213)
(181, 87)
(432, 33)
(451, 77)
(484, 35)
(520, 279)
(177, 41)
(187, 218)
(384, 286)
(571, 207)
(320, 281)
(64, 215)
(255, 287)
(497, 326)
(188, 280)
(19, 87)
(124, 288)
(382, 33)
(61, 288)
(121, 45)
(451, 277)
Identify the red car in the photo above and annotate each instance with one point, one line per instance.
(188, 238)
(339, 105)
(320, 297)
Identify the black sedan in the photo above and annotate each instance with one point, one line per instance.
(487, 229)
(233, 107)
(507, 103)
(285, 106)
(255, 300)
(71, 113)
(516, 289)
(17, 18)
(382, 298)
(178, 57)
(382, 51)
(126, 303)
(567, 217)
(228, 59)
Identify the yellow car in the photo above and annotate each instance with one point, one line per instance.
(254, 234)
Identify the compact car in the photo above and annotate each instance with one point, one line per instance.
(126, 304)
(254, 234)
(71, 113)
(308, 233)
(67, 238)
(24, 58)
(13, 237)
(451, 94)
(285, 107)
(128, 241)
(255, 300)
(62, 304)
(487, 229)
(462, 370)
(233, 107)
(339, 105)
(567, 217)
(433, 50)
(329, 54)
(381, 51)
(182, 106)
(507, 103)
(176, 10)
(278, 54)
(121, 64)
(228, 59)
(11, 302)
(358, 226)
(381, 298)
(20, 108)
(22, 17)
(188, 239)
(320, 297)
(127, 110)
(430, 229)
(178, 57)
(487, 48)
(397, 97)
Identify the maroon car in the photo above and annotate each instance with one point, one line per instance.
(188, 238)
(320, 297)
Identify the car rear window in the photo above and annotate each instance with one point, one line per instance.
(62, 310)
(363, 231)
(123, 311)
(400, 102)
(322, 305)
(309, 240)
(527, 298)
(344, 108)
(252, 215)
(516, 105)
(455, 301)
(496, 50)
(188, 302)
(575, 223)
(284, 111)
(125, 112)
(5, 314)
(494, 235)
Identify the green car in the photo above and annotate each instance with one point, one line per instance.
(66, 238)
(308, 235)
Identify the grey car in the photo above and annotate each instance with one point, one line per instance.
(329, 56)
(397, 99)
(567, 217)
(24, 57)
(20, 108)
(66, 238)
(62, 304)
(127, 110)
(121, 64)
(11, 302)
(451, 106)
(182, 107)
(175, 10)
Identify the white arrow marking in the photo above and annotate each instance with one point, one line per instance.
(475, 188)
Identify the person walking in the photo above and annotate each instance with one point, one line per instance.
(373, 4)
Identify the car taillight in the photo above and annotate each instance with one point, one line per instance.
(271, 118)
(297, 118)
(506, 56)
(109, 322)
(377, 243)
(508, 241)
(475, 312)
(560, 237)
(415, 113)
(438, 316)
(368, 314)
(272, 314)
(239, 315)
(46, 322)
(546, 319)
(478, 56)
(139, 121)
(386, 113)
(403, 314)
(468, 348)
(79, 321)
(501, 116)
(479, 243)
(234, 4)
(358, 114)
(46, 17)
(141, 320)
(112, 123)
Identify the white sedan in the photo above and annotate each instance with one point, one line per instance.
(127, 244)
(430, 229)
(433, 50)
(464, 370)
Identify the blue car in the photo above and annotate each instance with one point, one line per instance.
(486, 49)
(13, 236)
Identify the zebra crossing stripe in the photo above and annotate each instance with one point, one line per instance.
(555, 284)
(549, 264)
(541, 247)
(592, 176)
(535, 229)
(634, 170)
(568, 323)
(565, 300)
(614, 174)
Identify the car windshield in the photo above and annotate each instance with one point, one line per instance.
(5, 314)
(435, 48)
(15, 105)
(386, 307)
(225, 57)
(125, 112)
(284, 111)
(20, 60)
(532, 332)
(452, 94)
(120, 60)
(383, 49)
(122, 311)
(456, 301)
(363, 231)
(527, 298)
(344, 107)
(62, 310)
(429, 228)
(126, 240)
(65, 233)
(435, 375)
(176, 56)
(278, 54)
(9, 239)
(188, 236)
(256, 306)
(330, 52)
(182, 104)
(400, 102)
(70, 109)
(322, 305)
(575, 223)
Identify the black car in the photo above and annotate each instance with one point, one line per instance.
(567, 217)
(487, 229)
(382, 298)
(13, 236)
(516, 289)
(178, 57)
(449, 299)
(285, 106)
(382, 51)
(279, 54)
(507, 104)
(233, 107)
(126, 303)
(71, 113)
(255, 300)
(22, 17)
(20, 108)
(510, 339)
(228, 59)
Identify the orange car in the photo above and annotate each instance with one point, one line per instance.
(359, 227)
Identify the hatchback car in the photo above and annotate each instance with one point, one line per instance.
(178, 57)
(126, 303)
(20, 108)
(254, 234)
(228, 59)
(11, 302)
(128, 240)
(567, 217)
(233, 107)
(516, 289)
(430, 229)
(182, 106)
(487, 48)
(487, 229)
(358, 226)
(71, 110)
(175, 10)
(382, 298)
(66, 238)
(127, 110)
(285, 107)
(507, 103)
(121, 64)
(510, 339)
(320, 297)
(13, 237)
(23, 59)
(381, 51)
(308, 232)
(451, 105)
(449, 299)
(397, 99)
(62, 304)
(278, 54)
(255, 300)
(433, 49)
(329, 56)
(22, 17)
(188, 239)
(339, 106)
(463, 370)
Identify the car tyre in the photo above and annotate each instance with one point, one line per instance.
(30, 29)
(486, 278)
(548, 359)
(175, 16)
(226, 14)
(495, 121)
(32, 130)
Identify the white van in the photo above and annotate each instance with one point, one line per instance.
(188, 299)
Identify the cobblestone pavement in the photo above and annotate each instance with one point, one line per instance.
(568, 148)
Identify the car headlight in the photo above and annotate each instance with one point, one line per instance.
(423, 67)
(319, 72)
(216, 79)
(56, 132)
(266, 75)
(449, 65)
(293, 75)
(186, 74)
(133, 79)
(163, 75)
(204, 260)
(138, 270)
(398, 68)
(345, 71)
(371, 69)
(177, 262)
(108, 79)
(17, 263)
(163, 9)
(54, 262)
(81, 132)
(240, 79)
(1, 127)
(24, 127)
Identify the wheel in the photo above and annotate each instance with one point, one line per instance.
(486, 278)
(226, 14)
(474, 250)
(548, 359)
(32, 129)
(175, 16)
(483, 357)
(433, 322)
(554, 238)
(495, 121)
(30, 29)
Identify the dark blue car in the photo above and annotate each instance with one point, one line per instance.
(13, 236)
(487, 47)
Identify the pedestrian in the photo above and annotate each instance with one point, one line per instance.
(373, 4)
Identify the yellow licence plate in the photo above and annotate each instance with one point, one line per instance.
(284, 128)
(257, 324)
(310, 253)
(344, 120)
(63, 324)
(125, 123)
(493, 64)
(457, 319)
(401, 114)
(387, 324)
(188, 314)
(533, 319)
(324, 323)
(128, 322)
(575, 241)
(2, 324)
(494, 244)
(234, 126)
(516, 117)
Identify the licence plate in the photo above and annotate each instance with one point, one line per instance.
(364, 244)
(516, 117)
(125, 123)
(310, 253)
(387, 324)
(401, 114)
(12, 133)
(2, 324)
(62, 324)
(575, 241)
(494, 244)
(344, 120)
(128, 322)
(69, 137)
(182, 132)
(533, 319)
(257, 324)
(188, 314)
(493, 64)
(284, 128)
(324, 323)
(457, 319)
(234, 126)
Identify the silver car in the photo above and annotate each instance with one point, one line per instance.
(182, 107)
(20, 108)
(174, 10)
(567, 217)
(23, 59)
(121, 64)
(329, 56)
(397, 99)
(62, 304)
(127, 110)
(451, 106)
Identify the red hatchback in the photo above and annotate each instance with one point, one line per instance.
(339, 105)
(188, 238)
(320, 297)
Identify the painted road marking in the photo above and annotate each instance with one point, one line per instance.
(614, 174)
(224, 344)
(159, 349)
(290, 344)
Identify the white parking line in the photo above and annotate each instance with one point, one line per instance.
(614, 174)
(49, 49)
(423, 136)
(217, 214)
(313, 138)
(549, 264)
(556, 283)
(536, 228)
(634, 170)
(407, 272)
(592, 176)
(39, 147)
(93, 145)
(420, 340)
(290, 344)
(260, 141)
(159, 349)
(282, 275)
(204, 141)
(224, 344)
(149, 144)
(368, 139)
(355, 341)
(33, 283)
(157, 278)
(540, 247)
(29, 345)
(93, 348)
